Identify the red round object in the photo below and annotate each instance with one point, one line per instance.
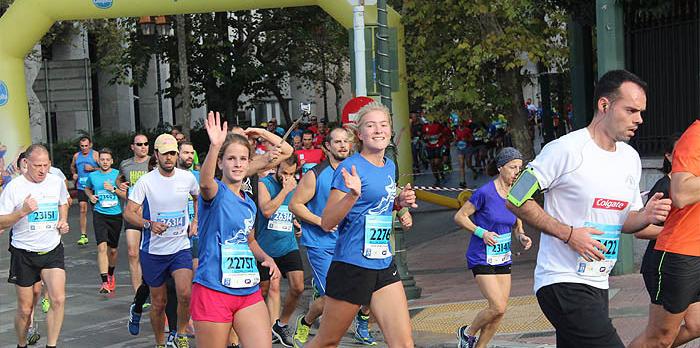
(352, 107)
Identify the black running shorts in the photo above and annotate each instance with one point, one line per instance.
(678, 281)
(579, 313)
(26, 266)
(355, 284)
(288, 262)
(107, 228)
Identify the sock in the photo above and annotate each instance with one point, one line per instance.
(18, 346)
(140, 298)
(104, 277)
(279, 323)
(362, 315)
(110, 270)
(48, 346)
(303, 321)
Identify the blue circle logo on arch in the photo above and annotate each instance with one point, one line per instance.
(4, 93)
(103, 4)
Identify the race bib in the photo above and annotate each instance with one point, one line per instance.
(190, 207)
(377, 233)
(281, 220)
(44, 218)
(499, 253)
(238, 268)
(611, 240)
(107, 199)
(175, 221)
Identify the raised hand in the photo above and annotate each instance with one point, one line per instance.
(352, 181)
(29, 205)
(124, 186)
(216, 131)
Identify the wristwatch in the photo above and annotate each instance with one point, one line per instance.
(147, 225)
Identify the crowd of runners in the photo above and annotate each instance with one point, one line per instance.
(210, 243)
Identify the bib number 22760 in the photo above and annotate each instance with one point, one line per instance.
(377, 233)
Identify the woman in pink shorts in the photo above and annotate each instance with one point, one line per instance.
(225, 293)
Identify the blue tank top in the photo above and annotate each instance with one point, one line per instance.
(226, 219)
(80, 162)
(368, 220)
(492, 215)
(313, 235)
(276, 234)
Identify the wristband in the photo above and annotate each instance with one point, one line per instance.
(479, 232)
(570, 233)
(402, 212)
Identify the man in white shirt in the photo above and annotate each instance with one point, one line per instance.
(165, 246)
(35, 206)
(590, 178)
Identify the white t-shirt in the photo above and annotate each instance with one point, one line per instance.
(37, 231)
(164, 199)
(584, 186)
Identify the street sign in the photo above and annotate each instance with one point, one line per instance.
(351, 108)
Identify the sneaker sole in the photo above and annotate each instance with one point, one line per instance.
(279, 340)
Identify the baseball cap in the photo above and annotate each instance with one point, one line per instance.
(165, 143)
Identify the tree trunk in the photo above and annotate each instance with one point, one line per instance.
(516, 114)
(283, 104)
(185, 93)
(338, 89)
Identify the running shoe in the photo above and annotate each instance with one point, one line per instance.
(45, 305)
(170, 341)
(134, 320)
(104, 289)
(181, 342)
(362, 334)
(301, 334)
(33, 336)
(465, 340)
(283, 334)
(112, 282)
(83, 239)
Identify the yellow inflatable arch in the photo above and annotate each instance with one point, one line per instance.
(26, 22)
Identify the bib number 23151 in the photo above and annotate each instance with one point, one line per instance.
(611, 240)
(377, 233)
(238, 266)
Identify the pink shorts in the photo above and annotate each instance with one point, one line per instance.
(217, 307)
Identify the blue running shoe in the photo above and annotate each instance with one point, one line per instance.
(362, 334)
(465, 340)
(134, 321)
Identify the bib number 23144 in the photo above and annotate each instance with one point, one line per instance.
(377, 233)
(499, 253)
(238, 266)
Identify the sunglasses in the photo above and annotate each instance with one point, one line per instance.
(141, 144)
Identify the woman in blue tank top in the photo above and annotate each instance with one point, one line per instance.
(363, 196)
(225, 292)
(489, 255)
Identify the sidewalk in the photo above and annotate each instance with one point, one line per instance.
(451, 298)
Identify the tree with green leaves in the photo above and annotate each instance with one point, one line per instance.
(469, 55)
